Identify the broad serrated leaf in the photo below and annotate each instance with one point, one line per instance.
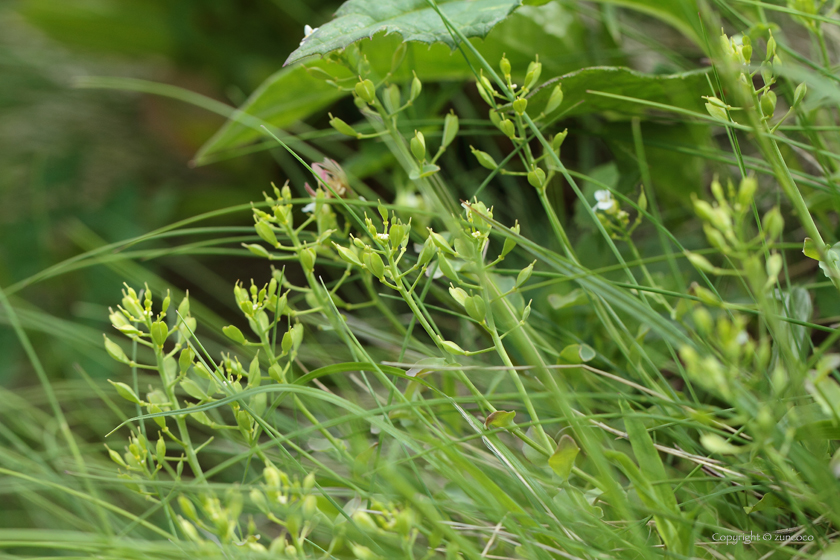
(413, 20)
(679, 90)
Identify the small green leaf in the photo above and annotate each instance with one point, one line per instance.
(563, 458)
(573, 298)
(500, 419)
(576, 354)
(769, 500)
(716, 444)
(810, 249)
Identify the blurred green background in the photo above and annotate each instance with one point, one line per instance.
(83, 166)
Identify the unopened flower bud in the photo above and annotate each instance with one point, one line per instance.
(504, 65)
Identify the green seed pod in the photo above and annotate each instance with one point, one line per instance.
(347, 255)
(495, 118)
(703, 209)
(771, 48)
(484, 159)
(396, 235)
(446, 268)
(297, 336)
(234, 334)
(450, 129)
(508, 128)
(115, 351)
(266, 233)
(310, 507)
(799, 94)
(307, 259)
(254, 373)
(418, 146)
(427, 253)
(376, 266)
(706, 296)
(159, 420)
(558, 139)
(554, 100)
(536, 177)
(699, 262)
(452, 348)
(504, 66)
(768, 104)
(286, 343)
(525, 274)
(510, 243)
(703, 320)
(458, 294)
(773, 223)
(257, 250)
(485, 95)
(191, 388)
(717, 108)
(520, 105)
(774, 266)
(342, 126)
(391, 98)
(416, 88)
(126, 392)
(746, 191)
(159, 332)
(475, 307)
(366, 90)
(440, 241)
(533, 75)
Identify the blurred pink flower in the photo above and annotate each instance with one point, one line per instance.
(331, 174)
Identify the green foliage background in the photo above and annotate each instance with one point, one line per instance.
(671, 387)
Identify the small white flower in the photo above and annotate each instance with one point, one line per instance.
(309, 208)
(382, 236)
(605, 200)
(476, 234)
(307, 31)
(742, 338)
